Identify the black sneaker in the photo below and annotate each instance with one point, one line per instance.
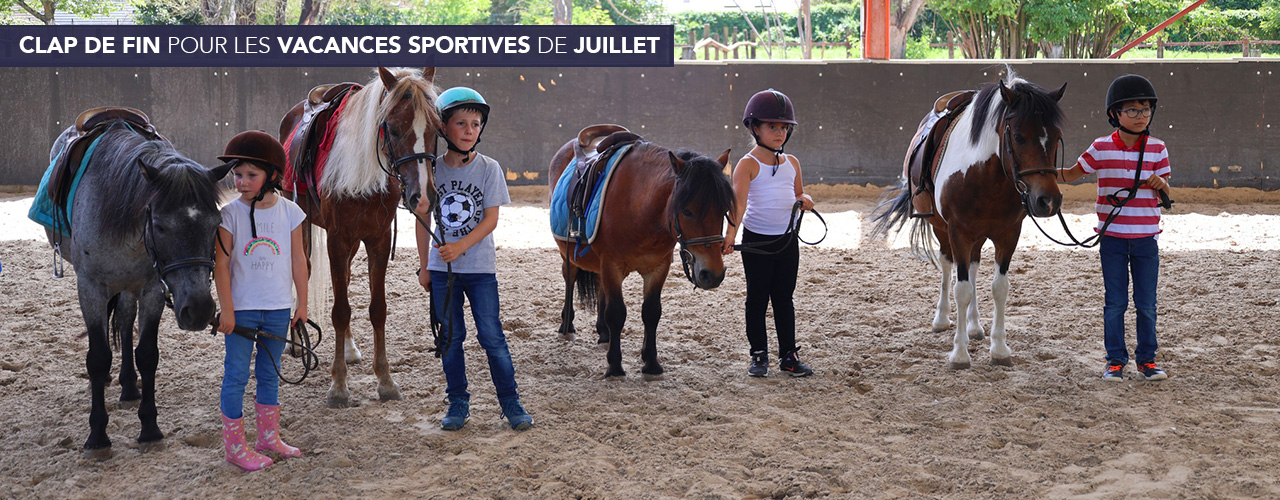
(1150, 371)
(793, 366)
(759, 365)
(1113, 373)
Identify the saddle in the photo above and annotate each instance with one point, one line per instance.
(303, 143)
(930, 141)
(595, 145)
(90, 125)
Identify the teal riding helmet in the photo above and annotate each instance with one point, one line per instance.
(462, 96)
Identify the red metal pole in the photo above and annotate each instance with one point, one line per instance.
(1157, 29)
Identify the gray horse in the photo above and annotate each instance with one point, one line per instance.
(143, 225)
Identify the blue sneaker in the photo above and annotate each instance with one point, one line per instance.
(516, 416)
(459, 410)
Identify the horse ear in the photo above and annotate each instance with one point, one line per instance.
(676, 164)
(429, 74)
(723, 159)
(1057, 94)
(388, 79)
(1007, 94)
(149, 172)
(217, 173)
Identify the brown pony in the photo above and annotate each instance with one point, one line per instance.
(996, 167)
(386, 132)
(655, 200)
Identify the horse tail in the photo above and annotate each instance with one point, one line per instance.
(112, 318)
(892, 213)
(320, 283)
(893, 210)
(588, 284)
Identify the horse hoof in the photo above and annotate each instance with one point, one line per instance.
(941, 328)
(131, 404)
(1002, 361)
(615, 374)
(653, 377)
(974, 337)
(392, 394)
(98, 454)
(602, 346)
(337, 401)
(958, 365)
(567, 337)
(353, 360)
(295, 353)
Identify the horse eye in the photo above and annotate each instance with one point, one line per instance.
(687, 212)
(1019, 138)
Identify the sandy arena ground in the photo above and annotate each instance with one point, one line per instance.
(882, 418)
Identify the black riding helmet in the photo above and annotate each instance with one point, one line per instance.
(769, 106)
(1128, 88)
(265, 152)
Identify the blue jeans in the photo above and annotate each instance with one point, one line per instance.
(481, 290)
(235, 367)
(1122, 258)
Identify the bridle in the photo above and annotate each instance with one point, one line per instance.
(686, 256)
(173, 265)
(441, 341)
(1014, 171)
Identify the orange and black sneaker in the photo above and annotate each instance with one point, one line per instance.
(1114, 372)
(1150, 371)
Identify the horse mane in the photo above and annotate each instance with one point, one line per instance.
(354, 170)
(702, 179)
(1032, 100)
(181, 181)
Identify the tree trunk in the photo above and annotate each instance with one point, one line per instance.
(805, 30)
(246, 12)
(310, 12)
(281, 5)
(904, 17)
(562, 12)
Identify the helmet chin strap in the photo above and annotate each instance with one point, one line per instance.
(267, 187)
(777, 153)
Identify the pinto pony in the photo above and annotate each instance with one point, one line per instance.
(387, 131)
(655, 200)
(996, 167)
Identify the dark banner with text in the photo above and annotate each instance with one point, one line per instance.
(336, 46)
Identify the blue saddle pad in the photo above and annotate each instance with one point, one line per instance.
(42, 209)
(560, 222)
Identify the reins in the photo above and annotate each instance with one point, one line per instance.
(793, 231)
(309, 359)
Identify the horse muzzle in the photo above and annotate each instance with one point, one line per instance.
(1044, 205)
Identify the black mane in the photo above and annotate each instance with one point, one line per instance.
(702, 183)
(1032, 101)
(181, 181)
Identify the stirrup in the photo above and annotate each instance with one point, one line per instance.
(58, 269)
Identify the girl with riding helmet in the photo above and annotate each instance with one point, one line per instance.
(258, 260)
(767, 184)
(1133, 169)
(470, 188)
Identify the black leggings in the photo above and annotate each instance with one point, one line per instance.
(771, 278)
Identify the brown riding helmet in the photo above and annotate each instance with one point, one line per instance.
(769, 106)
(255, 145)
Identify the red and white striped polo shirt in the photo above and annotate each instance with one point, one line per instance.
(1114, 162)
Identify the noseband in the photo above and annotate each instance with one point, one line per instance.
(687, 256)
(172, 266)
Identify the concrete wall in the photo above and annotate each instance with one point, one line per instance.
(1221, 118)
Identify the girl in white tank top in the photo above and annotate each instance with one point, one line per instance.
(767, 183)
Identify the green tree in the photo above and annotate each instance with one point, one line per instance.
(43, 10)
(1021, 28)
(168, 12)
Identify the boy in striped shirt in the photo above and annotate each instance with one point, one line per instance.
(1132, 168)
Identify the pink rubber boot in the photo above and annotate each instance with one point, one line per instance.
(269, 432)
(237, 450)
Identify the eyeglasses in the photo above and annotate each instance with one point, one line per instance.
(1135, 112)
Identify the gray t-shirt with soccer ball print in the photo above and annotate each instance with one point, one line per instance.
(464, 194)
